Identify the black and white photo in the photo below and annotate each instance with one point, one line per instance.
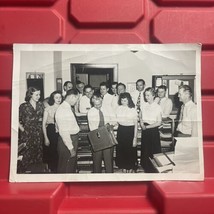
(106, 113)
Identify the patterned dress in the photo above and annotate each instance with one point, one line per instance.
(31, 120)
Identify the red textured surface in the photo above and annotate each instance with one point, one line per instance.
(107, 205)
(31, 197)
(105, 13)
(5, 106)
(28, 2)
(177, 25)
(101, 189)
(190, 197)
(4, 160)
(97, 21)
(29, 26)
(6, 64)
(209, 159)
(185, 2)
(207, 107)
(207, 66)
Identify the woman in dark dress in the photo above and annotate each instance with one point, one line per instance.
(150, 121)
(30, 131)
(50, 133)
(126, 151)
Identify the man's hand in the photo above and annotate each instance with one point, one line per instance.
(143, 127)
(134, 143)
(73, 153)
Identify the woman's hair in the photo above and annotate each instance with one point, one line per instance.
(150, 89)
(128, 97)
(30, 92)
(51, 98)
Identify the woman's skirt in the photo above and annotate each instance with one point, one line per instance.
(126, 155)
(150, 144)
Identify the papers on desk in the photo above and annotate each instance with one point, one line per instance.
(163, 162)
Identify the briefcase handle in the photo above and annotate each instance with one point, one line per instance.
(98, 135)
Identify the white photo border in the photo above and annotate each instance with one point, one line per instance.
(152, 48)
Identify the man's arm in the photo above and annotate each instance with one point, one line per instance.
(66, 138)
(194, 123)
(63, 123)
(93, 121)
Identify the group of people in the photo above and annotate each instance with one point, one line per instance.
(50, 133)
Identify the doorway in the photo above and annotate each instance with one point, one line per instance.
(94, 74)
(36, 80)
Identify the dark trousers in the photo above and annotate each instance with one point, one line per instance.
(67, 164)
(107, 156)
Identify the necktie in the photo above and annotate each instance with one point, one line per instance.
(101, 123)
(181, 113)
(138, 102)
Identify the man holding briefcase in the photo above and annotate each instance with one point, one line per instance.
(98, 116)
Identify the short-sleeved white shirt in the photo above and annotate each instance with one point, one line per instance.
(126, 116)
(151, 113)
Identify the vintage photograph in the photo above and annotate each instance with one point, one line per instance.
(127, 112)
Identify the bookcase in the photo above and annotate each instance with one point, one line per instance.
(172, 82)
(84, 154)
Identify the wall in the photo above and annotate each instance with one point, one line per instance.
(37, 61)
(131, 66)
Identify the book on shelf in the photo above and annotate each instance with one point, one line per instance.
(165, 134)
(86, 154)
(85, 162)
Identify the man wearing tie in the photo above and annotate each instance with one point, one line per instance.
(187, 125)
(138, 96)
(98, 116)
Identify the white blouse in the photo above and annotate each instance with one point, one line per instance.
(151, 113)
(51, 111)
(126, 116)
